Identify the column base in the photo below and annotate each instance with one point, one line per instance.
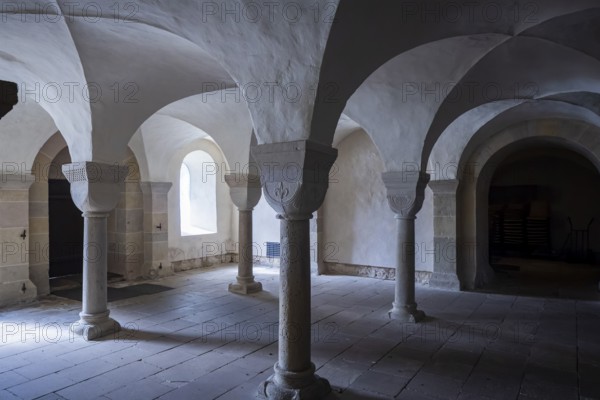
(406, 314)
(445, 281)
(94, 326)
(242, 287)
(287, 385)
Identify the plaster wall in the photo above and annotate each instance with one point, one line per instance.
(23, 132)
(359, 226)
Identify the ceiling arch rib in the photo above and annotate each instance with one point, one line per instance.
(56, 82)
(229, 123)
(579, 31)
(522, 68)
(159, 148)
(126, 97)
(475, 127)
(353, 34)
(530, 133)
(399, 100)
(201, 116)
(23, 131)
(244, 44)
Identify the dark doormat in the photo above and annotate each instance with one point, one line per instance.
(115, 294)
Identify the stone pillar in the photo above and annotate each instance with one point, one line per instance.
(15, 248)
(405, 193)
(444, 235)
(156, 229)
(245, 191)
(295, 177)
(95, 189)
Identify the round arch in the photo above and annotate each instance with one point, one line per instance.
(228, 125)
(477, 126)
(126, 246)
(39, 232)
(474, 183)
(193, 251)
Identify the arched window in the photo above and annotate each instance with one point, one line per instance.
(198, 194)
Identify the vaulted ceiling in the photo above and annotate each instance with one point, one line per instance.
(405, 72)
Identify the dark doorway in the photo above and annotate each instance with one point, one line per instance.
(539, 201)
(543, 240)
(66, 231)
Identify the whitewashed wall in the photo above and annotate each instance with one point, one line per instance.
(358, 221)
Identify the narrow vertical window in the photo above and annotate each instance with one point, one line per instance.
(198, 194)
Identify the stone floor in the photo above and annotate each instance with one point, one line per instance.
(200, 342)
(545, 278)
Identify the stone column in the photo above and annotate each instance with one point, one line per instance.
(95, 189)
(405, 193)
(15, 248)
(295, 178)
(245, 191)
(444, 235)
(156, 229)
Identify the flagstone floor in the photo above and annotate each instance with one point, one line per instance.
(198, 341)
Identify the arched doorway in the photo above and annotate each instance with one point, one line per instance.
(65, 223)
(56, 225)
(573, 141)
(543, 200)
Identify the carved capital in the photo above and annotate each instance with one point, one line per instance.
(244, 189)
(295, 176)
(95, 187)
(405, 191)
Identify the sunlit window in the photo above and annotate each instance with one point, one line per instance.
(198, 194)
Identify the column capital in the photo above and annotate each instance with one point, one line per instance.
(405, 191)
(244, 189)
(95, 187)
(295, 176)
(446, 186)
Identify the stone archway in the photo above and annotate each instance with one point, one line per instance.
(39, 238)
(476, 172)
(65, 223)
(125, 224)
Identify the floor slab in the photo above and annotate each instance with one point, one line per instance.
(199, 341)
